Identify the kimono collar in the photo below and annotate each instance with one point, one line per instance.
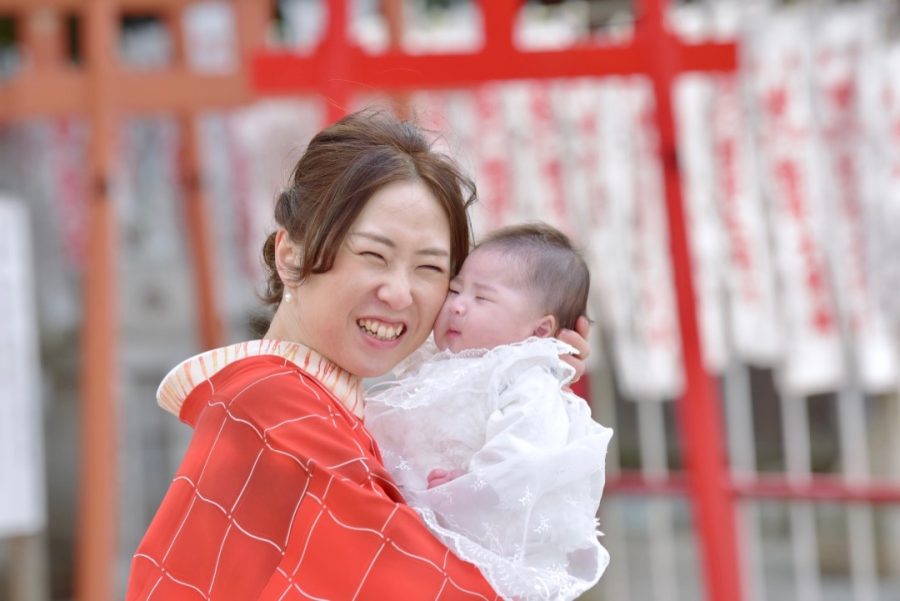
(190, 373)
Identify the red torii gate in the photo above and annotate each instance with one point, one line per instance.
(336, 68)
(102, 91)
(47, 85)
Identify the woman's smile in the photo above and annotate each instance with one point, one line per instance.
(381, 330)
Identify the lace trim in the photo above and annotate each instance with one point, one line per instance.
(190, 373)
(429, 373)
(510, 576)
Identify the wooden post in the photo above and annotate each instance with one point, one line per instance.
(98, 507)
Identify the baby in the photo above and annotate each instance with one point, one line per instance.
(502, 461)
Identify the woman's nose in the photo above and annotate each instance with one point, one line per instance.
(396, 292)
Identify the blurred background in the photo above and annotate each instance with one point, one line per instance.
(748, 151)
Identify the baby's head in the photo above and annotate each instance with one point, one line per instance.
(520, 281)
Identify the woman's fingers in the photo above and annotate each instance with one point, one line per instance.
(583, 329)
(577, 338)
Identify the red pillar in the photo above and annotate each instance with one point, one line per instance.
(336, 51)
(97, 504)
(699, 409)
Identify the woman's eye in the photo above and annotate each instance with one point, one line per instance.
(372, 254)
(434, 268)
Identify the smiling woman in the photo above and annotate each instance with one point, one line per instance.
(379, 300)
(282, 493)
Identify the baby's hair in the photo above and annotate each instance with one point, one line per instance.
(550, 266)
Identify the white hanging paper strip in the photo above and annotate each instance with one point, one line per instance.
(693, 109)
(750, 280)
(606, 177)
(23, 501)
(574, 113)
(464, 137)
(792, 170)
(640, 299)
(882, 121)
(549, 148)
(608, 245)
(841, 39)
(492, 171)
(529, 186)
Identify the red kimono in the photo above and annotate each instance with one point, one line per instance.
(282, 493)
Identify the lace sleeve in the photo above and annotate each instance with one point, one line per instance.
(419, 356)
(524, 512)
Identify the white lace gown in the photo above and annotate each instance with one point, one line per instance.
(524, 510)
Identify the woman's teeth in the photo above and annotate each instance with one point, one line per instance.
(380, 330)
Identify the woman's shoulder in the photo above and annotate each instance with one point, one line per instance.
(235, 374)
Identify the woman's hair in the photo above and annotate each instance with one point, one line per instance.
(342, 167)
(551, 267)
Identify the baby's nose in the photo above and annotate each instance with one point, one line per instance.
(457, 305)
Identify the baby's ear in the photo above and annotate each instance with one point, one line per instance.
(545, 327)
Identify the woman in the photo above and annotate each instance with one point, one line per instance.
(282, 493)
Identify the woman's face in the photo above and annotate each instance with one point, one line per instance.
(379, 301)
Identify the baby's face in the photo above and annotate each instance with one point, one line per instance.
(487, 305)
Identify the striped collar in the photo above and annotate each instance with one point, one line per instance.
(190, 373)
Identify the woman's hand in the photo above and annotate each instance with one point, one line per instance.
(578, 339)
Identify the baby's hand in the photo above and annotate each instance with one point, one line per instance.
(436, 477)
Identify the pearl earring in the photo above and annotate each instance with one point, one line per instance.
(288, 297)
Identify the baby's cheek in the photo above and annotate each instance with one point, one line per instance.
(440, 340)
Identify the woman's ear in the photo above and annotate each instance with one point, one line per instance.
(545, 327)
(287, 257)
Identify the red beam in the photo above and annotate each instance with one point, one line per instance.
(65, 92)
(822, 489)
(708, 57)
(178, 90)
(56, 93)
(80, 6)
(819, 489)
(288, 73)
(636, 483)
